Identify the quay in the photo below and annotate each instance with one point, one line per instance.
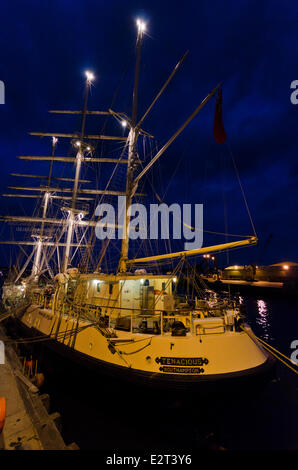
(27, 425)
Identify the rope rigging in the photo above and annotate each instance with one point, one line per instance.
(242, 190)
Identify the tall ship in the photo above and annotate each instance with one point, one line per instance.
(126, 318)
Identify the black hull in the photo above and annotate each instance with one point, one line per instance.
(247, 380)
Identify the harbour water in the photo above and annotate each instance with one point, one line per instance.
(100, 413)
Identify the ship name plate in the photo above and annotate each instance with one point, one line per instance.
(182, 361)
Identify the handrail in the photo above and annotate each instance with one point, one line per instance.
(87, 310)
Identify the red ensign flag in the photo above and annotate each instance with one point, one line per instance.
(218, 127)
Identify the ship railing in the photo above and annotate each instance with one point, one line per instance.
(197, 321)
(41, 299)
(159, 319)
(196, 325)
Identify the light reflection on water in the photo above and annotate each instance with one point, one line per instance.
(263, 319)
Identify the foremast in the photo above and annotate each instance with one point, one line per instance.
(40, 238)
(74, 219)
(82, 148)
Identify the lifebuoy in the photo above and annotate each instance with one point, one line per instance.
(2, 412)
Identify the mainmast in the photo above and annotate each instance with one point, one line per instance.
(132, 154)
(78, 163)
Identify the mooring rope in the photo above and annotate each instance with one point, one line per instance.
(270, 349)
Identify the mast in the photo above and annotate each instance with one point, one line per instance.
(50, 191)
(36, 267)
(78, 163)
(132, 155)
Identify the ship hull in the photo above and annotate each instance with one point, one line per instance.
(245, 380)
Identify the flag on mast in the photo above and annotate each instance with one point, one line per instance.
(218, 127)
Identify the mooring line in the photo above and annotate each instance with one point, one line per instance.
(270, 348)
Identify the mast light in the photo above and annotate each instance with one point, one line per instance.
(141, 26)
(90, 76)
(123, 123)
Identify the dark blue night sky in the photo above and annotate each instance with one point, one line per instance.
(251, 46)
